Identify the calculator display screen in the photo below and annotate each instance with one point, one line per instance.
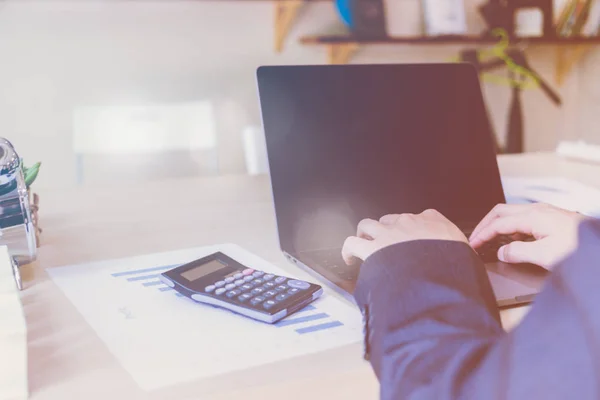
(203, 270)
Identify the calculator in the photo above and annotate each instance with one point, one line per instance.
(221, 281)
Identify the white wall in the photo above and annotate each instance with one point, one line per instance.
(57, 56)
(585, 118)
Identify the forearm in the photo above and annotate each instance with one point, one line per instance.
(434, 330)
(430, 308)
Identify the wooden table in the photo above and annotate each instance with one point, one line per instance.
(68, 361)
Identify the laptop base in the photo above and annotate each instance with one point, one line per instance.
(512, 284)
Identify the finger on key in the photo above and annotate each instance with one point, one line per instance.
(356, 248)
(500, 210)
(502, 226)
(526, 252)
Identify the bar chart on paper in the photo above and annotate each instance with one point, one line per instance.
(138, 312)
(149, 277)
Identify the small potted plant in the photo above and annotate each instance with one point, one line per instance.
(31, 174)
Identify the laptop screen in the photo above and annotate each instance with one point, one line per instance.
(352, 142)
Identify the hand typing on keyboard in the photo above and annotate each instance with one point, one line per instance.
(391, 229)
(509, 229)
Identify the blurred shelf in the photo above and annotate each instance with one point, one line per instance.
(340, 49)
(455, 40)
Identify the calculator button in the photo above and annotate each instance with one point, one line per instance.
(248, 278)
(268, 277)
(270, 284)
(247, 286)
(282, 296)
(209, 289)
(293, 291)
(258, 281)
(268, 304)
(280, 279)
(248, 271)
(166, 281)
(233, 293)
(229, 280)
(229, 286)
(258, 290)
(244, 297)
(220, 291)
(257, 300)
(220, 283)
(298, 284)
(281, 288)
(239, 282)
(270, 293)
(258, 274)
(238, 276)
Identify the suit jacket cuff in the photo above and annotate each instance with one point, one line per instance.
(413, 280)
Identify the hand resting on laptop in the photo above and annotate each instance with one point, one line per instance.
(554, 231)
(392, 229)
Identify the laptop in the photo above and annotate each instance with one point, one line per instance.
(350, 142)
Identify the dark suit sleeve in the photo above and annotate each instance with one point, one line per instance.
(432, 329)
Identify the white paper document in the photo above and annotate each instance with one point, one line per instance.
(560, 192)
(162, 338)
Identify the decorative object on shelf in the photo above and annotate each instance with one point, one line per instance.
(576, 18)
(517, 19)
(521, 76)
(365, 18)
(345, 11)
(495, 15)
(506, 14)
(543, 7)
(444, 17)
(529, 22)
(404, 17)
(573, 18)
(497, 56)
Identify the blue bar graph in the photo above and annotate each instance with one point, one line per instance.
(143, 278)
(149, 277)
(321, 327)
(299, 320)
(143, 271)
(153, 283)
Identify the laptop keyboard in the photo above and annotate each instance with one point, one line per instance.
(331, 259)
(489, 251)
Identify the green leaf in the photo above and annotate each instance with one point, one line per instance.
(31, 173)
